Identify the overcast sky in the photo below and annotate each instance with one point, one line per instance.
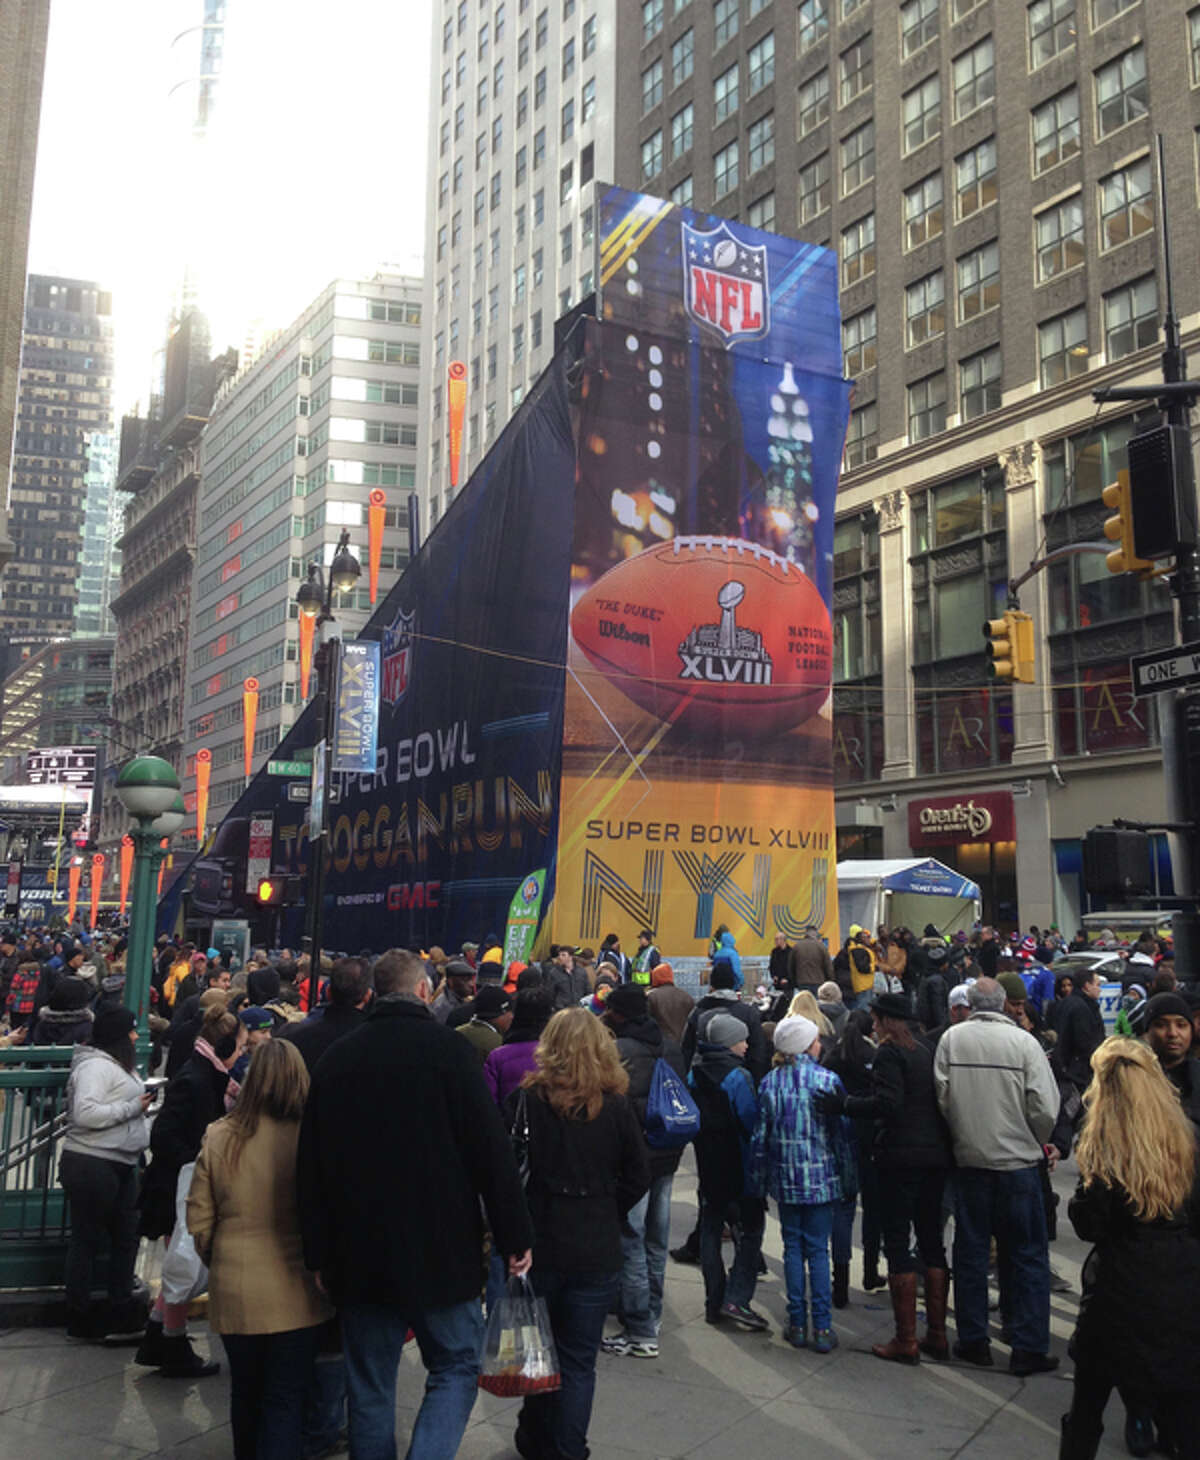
(314, 167)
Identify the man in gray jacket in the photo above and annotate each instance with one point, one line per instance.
(1001, 1100)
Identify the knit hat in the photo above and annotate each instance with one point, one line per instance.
(71, 993)
(1163, 1004)
(829, 993)
(892, 1006)
(491, 1000)
(113, 984)
(725, 1029)
(721, 976)
(794, 1035)
(1028, 944)
(112, 1025)
(255, 1018)
(661, 975)
(263, 985)
(853, 930)
(629, 1001)
(1014, 987)
(958, 998)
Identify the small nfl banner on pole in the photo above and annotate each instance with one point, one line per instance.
(356, 730)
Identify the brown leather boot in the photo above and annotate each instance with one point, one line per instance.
(903, 1348)
(937, 1283)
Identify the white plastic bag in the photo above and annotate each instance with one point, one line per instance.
(184, 1276)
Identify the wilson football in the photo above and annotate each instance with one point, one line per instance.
(723, 635)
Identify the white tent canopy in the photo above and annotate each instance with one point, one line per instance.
(911, 891)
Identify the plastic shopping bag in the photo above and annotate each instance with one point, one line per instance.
(184, 1276)
(518, 1352)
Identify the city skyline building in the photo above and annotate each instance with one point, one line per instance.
(103, 524)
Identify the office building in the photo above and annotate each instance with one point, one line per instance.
(65, 398)
(521, 121)
(103, 524)
(294, 447)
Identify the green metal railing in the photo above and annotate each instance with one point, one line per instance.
(33, 1217)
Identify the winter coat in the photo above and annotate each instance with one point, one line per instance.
(1080, 1026)
(105, 1116)
(1139, 1318)
(194, 1099)
(727, 953)
(837, 1014)
(62, 1026)
(568, 988)
(481, 1036)
(584, 1176)
(910, 1132)
(811, 964)
(641, 1045)
(313, 1036)
(724, 1093)
(399, 1142)
(247, 1229)
(997, 1092)
(670, 1007)
(727, 1002)
(1186, 1078)
(861, 961)
(779, 966)
(507, 1066)
(797, 1154)
(933, 1000)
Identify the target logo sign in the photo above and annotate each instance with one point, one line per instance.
(726, 283)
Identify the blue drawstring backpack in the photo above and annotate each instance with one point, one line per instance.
(672, 1116)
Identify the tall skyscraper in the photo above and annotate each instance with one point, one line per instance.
(65, 400)
(103, 524)
(522, 120)
(986, 175)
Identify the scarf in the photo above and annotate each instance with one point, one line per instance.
(206, 1052)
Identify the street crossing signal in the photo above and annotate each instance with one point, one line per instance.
(1120, 528)
(278, 890)
(1010, 646)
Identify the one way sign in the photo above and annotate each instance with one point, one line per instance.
(1173, 668)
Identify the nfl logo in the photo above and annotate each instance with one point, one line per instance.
(397, 656)
(726, 288)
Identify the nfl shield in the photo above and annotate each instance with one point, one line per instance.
(397, 657)
(726, 286)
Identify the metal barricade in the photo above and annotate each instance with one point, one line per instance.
(33, 1218)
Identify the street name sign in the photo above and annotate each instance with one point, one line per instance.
(289, 768)
(1172, 668)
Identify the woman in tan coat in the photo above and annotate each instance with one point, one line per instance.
(242, 1213)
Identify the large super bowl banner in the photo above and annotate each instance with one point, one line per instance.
(697, 780)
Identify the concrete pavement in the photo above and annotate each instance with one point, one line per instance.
(712, 1392)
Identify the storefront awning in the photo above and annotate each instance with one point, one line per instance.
(921, 875)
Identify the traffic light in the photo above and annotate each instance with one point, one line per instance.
(1162, 500)
(1010, 647)
(278, 890)
(1120, 528)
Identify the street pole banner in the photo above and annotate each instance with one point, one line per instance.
(524, 914)
(356, 728)
(12, 892)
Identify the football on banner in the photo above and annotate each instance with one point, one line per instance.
(717, 633)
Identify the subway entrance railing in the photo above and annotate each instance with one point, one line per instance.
(34, 1227)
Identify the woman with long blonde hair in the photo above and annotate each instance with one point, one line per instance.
(587, 1168)
(1139, 1321)
(805, 1006)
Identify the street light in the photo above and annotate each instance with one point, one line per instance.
(314, 599)
(148, 789)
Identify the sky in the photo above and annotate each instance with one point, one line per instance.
(314, 165)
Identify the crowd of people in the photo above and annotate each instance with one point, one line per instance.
(896, 1082)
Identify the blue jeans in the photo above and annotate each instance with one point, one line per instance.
(325, 1394)
(644, 1241)
(450, 1340)
(749, 1216)
(806, 1230)
(1007, 1205)
(578, 1303)
(267, 1375)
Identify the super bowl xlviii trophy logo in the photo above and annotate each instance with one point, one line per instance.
(726, 287)
(397, 657)
(724, 653)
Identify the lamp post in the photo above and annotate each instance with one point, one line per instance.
(314, 598)
(149, 790)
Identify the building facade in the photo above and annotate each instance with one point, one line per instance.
(65, 399)
(521, 122)
(985, 173)
(294, 447)
(103, 524)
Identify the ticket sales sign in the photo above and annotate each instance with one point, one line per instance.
(944, 820)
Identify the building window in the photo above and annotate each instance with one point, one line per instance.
(725, 22)
(1194, 44)
(652, 155)
(1058, 234)
(541, 29)
(975, 178)
(522, 106)
(854, 69)
(518, 344)
(588, 37)
(519, 284)
(539, 207)
(812, 23)
(539, 148)
(813, 188)
(974, 78)
(566, 182)
(1122, 92)
(1126, 204)
(922, 113)
(652, 85)
(979, 384)
(567, 130)
(761, 213)
(1063, 347)
(566, 241)
(919, 21)
(725, 170)
(862, 437)
(520, 165)
(960, 8)
(652, 19)
(924, 310)
(857, 649)
(725, 94)
(681, 131)
(587, 108)
(760, 61)
(1051, 30)
(1130, 318)
(539, 89)
(858, 250)
(1106, 10)
(978, 281)
(568, 59)
(683, 57)
(927, 407)
(858, 157)
(681, 193)
(813, 103)
(523, 50)
(761, 140)
(1056, 131)
(923, 211)
(535, 330)
(858, 342)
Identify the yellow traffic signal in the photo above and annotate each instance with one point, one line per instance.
(270, 890)
(1000, 648)
(1010, 646)
(1120, 529)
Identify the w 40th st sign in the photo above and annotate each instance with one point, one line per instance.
(1173, 668)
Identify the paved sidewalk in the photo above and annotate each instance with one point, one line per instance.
(712, 1392)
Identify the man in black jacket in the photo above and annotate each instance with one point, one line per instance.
(349, 995)
(399, 1142)
(1080, 1030)
(646, 1230)
(722, 996)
